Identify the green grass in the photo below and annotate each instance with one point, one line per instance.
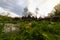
(38, 30)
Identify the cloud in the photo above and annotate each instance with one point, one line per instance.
(13, 5)
(44, 6)
(17, 6)
(3, 12)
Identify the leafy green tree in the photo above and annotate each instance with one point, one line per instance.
(57, 10)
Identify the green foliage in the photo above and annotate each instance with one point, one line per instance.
(57, 8)
(32, 30)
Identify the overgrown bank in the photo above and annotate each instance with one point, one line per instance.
(31, 30)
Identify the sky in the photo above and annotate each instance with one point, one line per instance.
(17, 6)
(44, 6)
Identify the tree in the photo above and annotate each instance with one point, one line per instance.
(25, 11)
(29, 14)
(36, 11)
(57, 8)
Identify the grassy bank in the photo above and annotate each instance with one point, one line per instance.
(31, 30)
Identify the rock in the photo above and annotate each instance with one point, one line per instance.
(9, 27)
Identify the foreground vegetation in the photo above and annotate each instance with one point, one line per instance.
(31, 30)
